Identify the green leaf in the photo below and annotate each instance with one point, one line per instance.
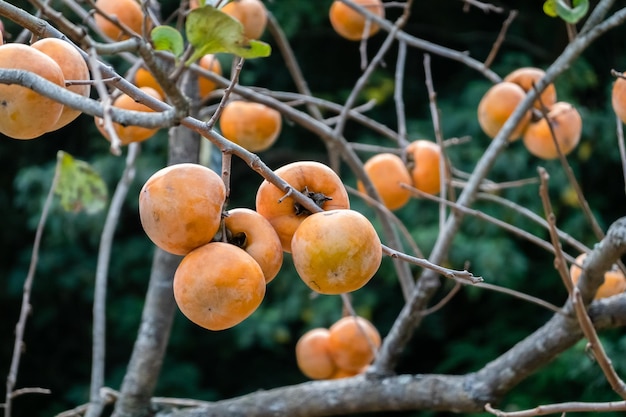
(549, 8)
(79, 186)
(211, 31)
(572, 14)
(166, 38)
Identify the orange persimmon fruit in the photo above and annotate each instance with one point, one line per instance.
(527, 77)
(253, 126)
(387, 171)
(425, 165)
(353, 342)
(250, 13)
(127, 12)
(497, 105)
(312, 354)
(614, 280)
(349, 23)
(564, 120)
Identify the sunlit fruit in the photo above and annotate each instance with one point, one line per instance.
(336, 251)
(126, 12)
(25, 114)
(387, 172)
(497, 105)
(251, 14)
(563, 124)
(74, 69)
(314, 179)
(426, 165)
(350, 24)
(312, 354)
(180, 207)
(527, 78)
(618, 98)
(254, 126)
(353, 342)
(253, 233)
(218, 285)
(614, 280)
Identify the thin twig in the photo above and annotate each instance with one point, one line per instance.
(622, 147)
(496, 46)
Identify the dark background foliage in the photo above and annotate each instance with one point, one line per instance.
(472, 329)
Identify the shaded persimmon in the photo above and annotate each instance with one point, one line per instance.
(253, 126)
(25, 114)
(336, 251)
(315, 180)
(349, 23)
(425, 165)
(218, 285)
(144, 78)
(180, 207)
(387, 172)
(527, 78)
(353, 342)
(251, 14)
(74, 68)
(253, 233)
(614, 280)
(618, 98)
(126, 12)
(312, 354)
(497, 105)
(210, 63)
(564, 121)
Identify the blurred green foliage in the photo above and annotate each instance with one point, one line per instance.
(472, 329)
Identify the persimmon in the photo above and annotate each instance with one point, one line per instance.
(618, 98)
(253, 126)
(497, 105)
(210, 63)
(251, 14)
(144, 78)
(127, 12)
(567, 126)
(180, 207)
(614, 280)
(130, 133)
(312, 354)
(253, 233)
(315, 180)
(336, 251)
(353, 342)
(349, 23)
(425, 159)
(74, 68)
(527, 77)
(344, 373)
(25, 114)
(387, 171)
(218, 285)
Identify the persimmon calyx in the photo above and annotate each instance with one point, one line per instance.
(318, 198)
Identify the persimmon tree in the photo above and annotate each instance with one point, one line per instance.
(170, 47)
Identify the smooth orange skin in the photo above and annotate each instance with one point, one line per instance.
(497, 105)
(254, 126)
(614, 280)
(353, 343)
(336, 251)
(180, 207)
(350, 24)
(218, 285)
(281, 210)
(425, 160)
(527, 77)
(387, 171)
(25, 114)
(74, 68)
(312, 354)
(567, 126)
(127, 12)
(618, 98)
(129, 134)
(144, 78)
(261, 242)
(252, 15)
(210, 63)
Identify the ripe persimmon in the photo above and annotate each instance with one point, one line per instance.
(218, 285)
(312, 354)
(353, 342)
(254, 126)
(567, 126)
(424, 160)
(497, 105)
(618, 98)
(336, 251)
(387, 171)
(314, 179)
(130, 133)
(253, 233)
(74, 68)
(144, 78)
(210, 63)
(614, 280)
(251, 14)
(527, 77)
(180, 207)
(127, 12)
(25, 114)
(349, 23)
